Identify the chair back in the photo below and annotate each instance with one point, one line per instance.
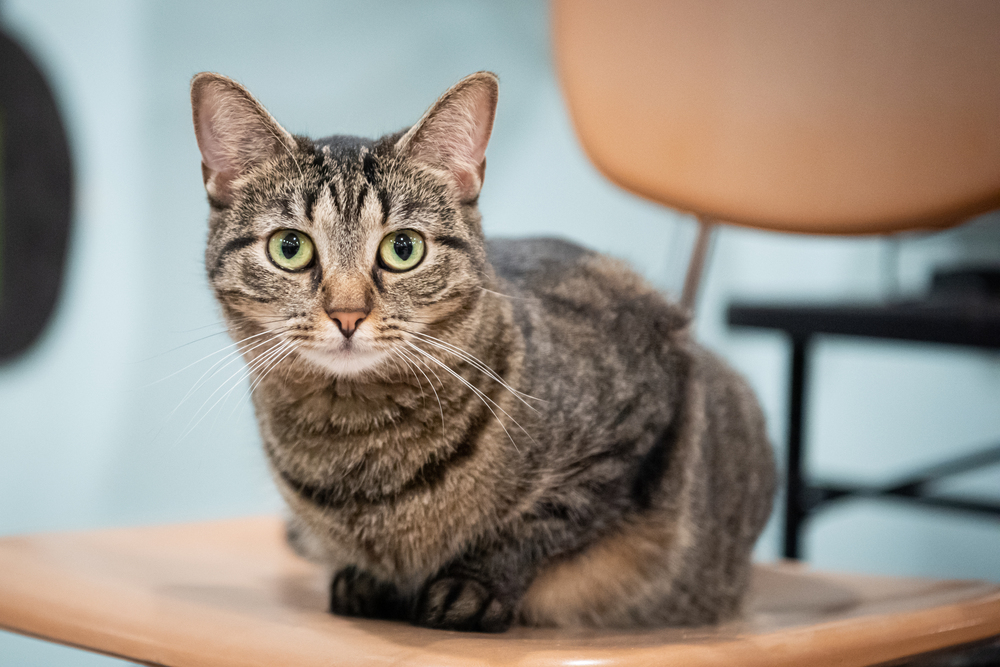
(852, 117)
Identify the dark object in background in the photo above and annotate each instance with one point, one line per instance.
(36, 188)
(966, 283)
(962, 307)
(979, 654)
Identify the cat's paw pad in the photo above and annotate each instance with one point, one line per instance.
(454, 603)
(355, 592)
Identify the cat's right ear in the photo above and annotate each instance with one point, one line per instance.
(234, 132)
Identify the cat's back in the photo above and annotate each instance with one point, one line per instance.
(539, 266)
(585, 301)
(563, 272)
(517, 259)
(607, 352)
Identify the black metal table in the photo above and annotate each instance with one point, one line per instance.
(968, 321)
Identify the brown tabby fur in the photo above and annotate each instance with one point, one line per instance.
(619, 478)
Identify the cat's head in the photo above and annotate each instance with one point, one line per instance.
(331, 249)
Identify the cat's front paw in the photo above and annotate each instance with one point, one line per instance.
(355, 592)
(457, 603)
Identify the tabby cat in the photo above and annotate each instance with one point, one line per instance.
(470, 433)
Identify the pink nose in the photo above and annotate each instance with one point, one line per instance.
(347, 322)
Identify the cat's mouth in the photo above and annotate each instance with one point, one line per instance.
(343, 359)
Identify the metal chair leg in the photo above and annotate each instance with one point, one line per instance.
(696, 264)
(796, 508)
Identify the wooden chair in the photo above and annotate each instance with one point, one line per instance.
(231, 593)
(677, 101)
(811, 117)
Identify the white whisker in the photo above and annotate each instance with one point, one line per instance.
(271, 357)
(508, 296)
(440, 409)
(410, 366)
(395, 363)
(207, 356)
(483, 397)
(267, 371)
(174, 349)
(226, 382)
(481, 366)
(231, 356)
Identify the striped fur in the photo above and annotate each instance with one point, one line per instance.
(518, 431)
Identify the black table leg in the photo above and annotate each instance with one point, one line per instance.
(795, 507)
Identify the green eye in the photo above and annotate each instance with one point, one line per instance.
(290, 250)
(402, 250)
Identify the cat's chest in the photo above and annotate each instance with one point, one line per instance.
(376, 495)
(330, 415)
(351, 444)
(331, 410)
(404, 540)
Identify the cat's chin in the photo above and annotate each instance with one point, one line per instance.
(342, 363)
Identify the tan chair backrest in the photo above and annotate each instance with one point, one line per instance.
(821, 116)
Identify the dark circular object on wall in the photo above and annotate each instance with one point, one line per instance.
(36, 199)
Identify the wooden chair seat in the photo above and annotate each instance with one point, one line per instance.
(231, 593)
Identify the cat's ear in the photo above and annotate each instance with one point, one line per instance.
(234, 132)
(453, 134)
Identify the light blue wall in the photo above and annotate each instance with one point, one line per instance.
(87, 440)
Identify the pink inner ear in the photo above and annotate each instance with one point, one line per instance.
(212, 133)
(234, 133)
(481, 114)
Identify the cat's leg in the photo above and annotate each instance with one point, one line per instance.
(354, 592)
(304, 541)
(454, 602)
(478, 593)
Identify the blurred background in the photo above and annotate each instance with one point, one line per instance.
(110, 419)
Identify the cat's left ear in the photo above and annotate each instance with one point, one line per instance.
(453, 134)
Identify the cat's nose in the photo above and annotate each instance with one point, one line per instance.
(346, 321)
